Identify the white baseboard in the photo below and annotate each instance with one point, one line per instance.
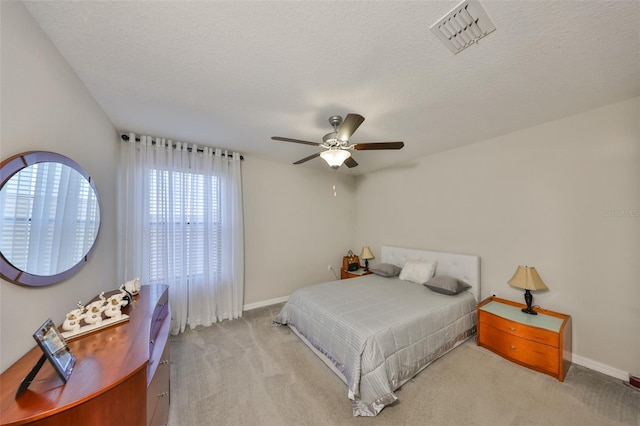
(600, 367)
(256, 305)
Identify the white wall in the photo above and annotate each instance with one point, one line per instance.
(46, 107)
(547, 197)
(294, 227)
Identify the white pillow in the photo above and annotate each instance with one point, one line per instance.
(418, 271)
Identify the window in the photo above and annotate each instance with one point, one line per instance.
(179, 207)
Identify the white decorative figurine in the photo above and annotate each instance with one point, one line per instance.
(133, 286)
(72, 320)
(114, 306)
(96, 315)
(94, 311)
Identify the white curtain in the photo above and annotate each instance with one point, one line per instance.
(181, 224)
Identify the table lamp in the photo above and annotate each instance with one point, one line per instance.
(527, 278)
(366, 255)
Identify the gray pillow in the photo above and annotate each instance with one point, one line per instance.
(385, 270)
(447, 285)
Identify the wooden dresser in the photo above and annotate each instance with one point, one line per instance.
(121, 375)
(541, 342)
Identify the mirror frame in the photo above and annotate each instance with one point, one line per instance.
(8, 168)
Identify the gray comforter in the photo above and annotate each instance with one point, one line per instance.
(379, 332)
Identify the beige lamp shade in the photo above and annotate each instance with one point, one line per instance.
(527, 278)
(366, 253)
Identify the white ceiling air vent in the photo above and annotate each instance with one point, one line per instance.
(464, 25)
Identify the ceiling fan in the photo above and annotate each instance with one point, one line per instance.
(336, 144)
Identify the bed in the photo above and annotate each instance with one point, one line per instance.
(378, 332)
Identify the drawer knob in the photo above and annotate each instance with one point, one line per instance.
(151, 342)
(512, 347)
(164, 362)
(512, 328)
(163, 394)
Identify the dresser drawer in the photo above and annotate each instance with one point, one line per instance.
(158, 392)
(533, 354)
(535, 334)
(159, 314)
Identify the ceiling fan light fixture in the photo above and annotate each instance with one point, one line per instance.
(335, 157)
(336, 144)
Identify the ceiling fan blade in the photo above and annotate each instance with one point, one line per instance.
(379, 145)
(350, 162)
(278, 138)
(348, 126)
(305, 159)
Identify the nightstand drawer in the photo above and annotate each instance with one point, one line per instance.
(520, 330)
(344, 274)
(541, 342)
(520, 350)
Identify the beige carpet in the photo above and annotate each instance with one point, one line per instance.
(246, 372)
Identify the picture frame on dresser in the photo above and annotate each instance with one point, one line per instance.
(54, 349)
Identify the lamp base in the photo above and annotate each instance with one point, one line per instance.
(366, 264)
(528, 299)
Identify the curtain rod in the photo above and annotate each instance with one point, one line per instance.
(125, 137)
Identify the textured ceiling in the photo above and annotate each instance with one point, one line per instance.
(233, 74)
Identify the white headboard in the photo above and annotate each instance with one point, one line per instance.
(462, 266)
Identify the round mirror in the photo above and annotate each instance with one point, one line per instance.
(49, 218)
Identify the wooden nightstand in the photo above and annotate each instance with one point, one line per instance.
(541, 342)
(344, 274)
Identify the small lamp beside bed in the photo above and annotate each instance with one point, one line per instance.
(366, 255)
(527, 279)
